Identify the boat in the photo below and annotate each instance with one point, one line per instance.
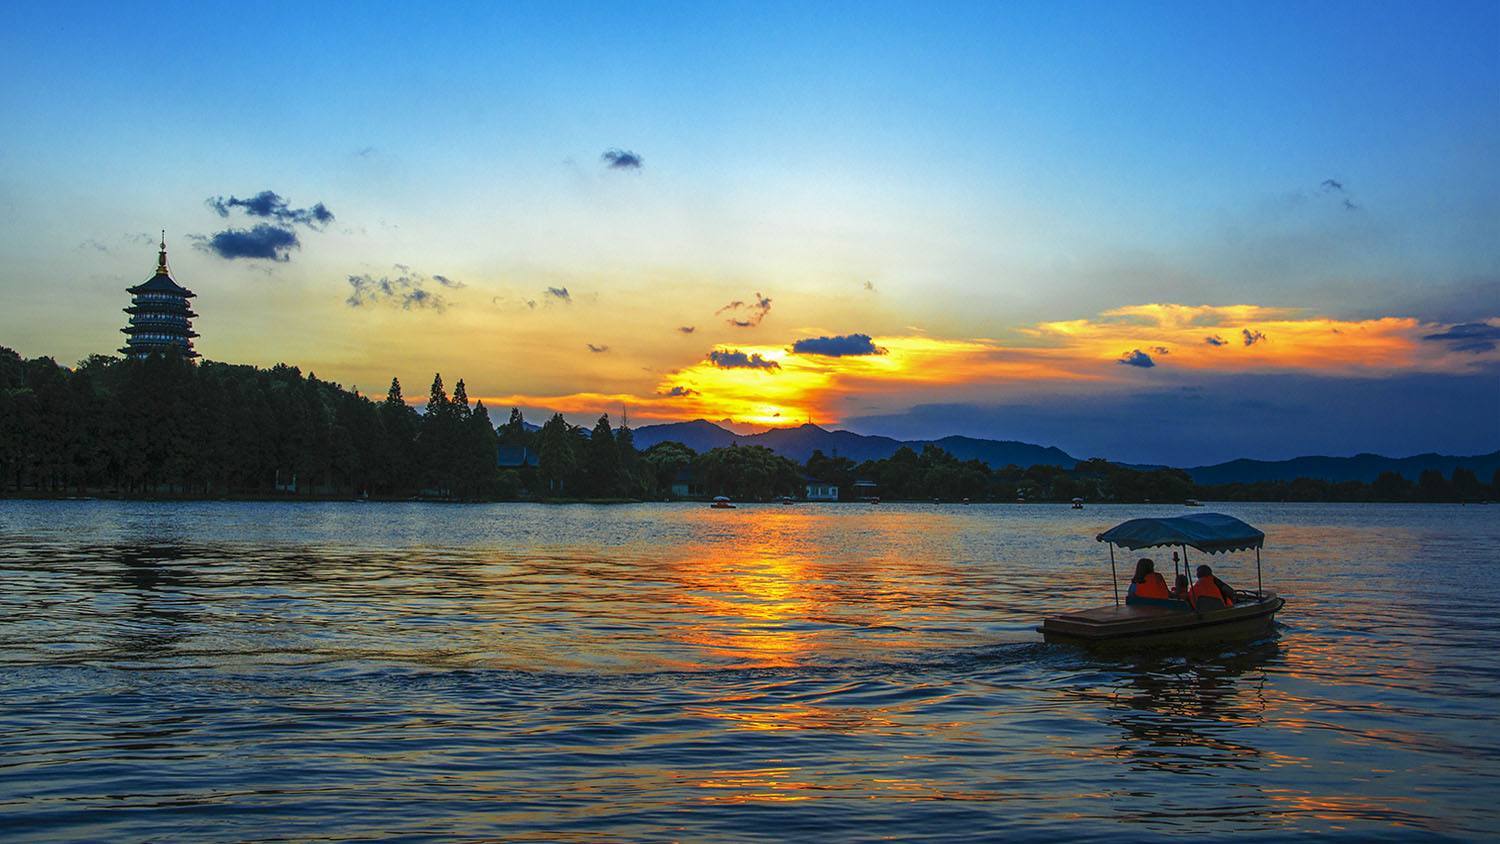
(1143, 622)
(1192, 502)
(721, 502)
(787, 499)
(1078, 504)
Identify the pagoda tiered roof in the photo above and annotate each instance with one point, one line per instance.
(161, 283)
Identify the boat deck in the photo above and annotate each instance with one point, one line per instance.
(1125, 621)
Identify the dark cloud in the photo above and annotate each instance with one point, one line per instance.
(687, 329)
(1136, 357)
(598, 350)
(447, 282)
(272, 206)
(725, 359)
(561, 294)
(1473, 337)
(746, 315)
(264, 242)
(679, 391)
(1333, 186)
(1252, 337)
(870, 286)
(1215, 340)
(407, 288)
(269, 241)
(1161, 350)
(622, 159)
(836, 347)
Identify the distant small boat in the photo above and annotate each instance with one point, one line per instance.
(787, 499)
(721, 502)
(966, 501)
(1078, 504)
(1192, 502)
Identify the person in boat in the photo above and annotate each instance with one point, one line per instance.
(1147, 583)
(1180, 589)
(1210, 589)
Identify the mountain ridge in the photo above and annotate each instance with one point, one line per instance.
(798, 443)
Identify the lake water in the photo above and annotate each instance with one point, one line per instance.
(232, 671)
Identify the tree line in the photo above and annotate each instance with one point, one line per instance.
(166, 426)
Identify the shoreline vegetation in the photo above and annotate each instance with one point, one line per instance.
(170, 429)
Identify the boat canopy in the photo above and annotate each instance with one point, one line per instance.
(1210, 533)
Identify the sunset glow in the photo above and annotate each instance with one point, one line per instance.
(775, 386)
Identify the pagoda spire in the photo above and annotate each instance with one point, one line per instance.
(161, 257)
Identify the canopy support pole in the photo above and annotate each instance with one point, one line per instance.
(1114, 576)
(1260, 593)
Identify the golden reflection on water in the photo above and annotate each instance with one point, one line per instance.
(764, 595)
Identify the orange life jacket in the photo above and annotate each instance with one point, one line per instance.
(1207, 587)
(1153, 587)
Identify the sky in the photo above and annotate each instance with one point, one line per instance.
(1153, 232)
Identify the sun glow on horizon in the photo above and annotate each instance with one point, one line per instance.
(775, 386)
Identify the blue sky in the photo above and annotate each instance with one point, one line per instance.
(959, 172)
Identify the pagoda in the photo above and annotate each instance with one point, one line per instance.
(159, 315)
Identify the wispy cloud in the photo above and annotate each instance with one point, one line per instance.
(598, 350)
(561, 294)
(686, 329)
(1474, 337)
(678, 391)
(270, 205)
(731, 359)
(839, 346)
(407, 289)
(622, 159)
(746, 314)
(1215, 340)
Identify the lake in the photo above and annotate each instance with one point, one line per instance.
(235, 671)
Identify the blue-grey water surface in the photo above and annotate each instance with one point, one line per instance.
(242, 671)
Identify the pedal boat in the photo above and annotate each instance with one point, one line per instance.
(1144, 622)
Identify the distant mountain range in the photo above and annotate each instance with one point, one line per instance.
(1361, 467)
(800, 442)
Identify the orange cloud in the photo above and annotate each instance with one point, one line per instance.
(771, 385)
(1238, 338)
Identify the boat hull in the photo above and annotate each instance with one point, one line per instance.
(1146, 626)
